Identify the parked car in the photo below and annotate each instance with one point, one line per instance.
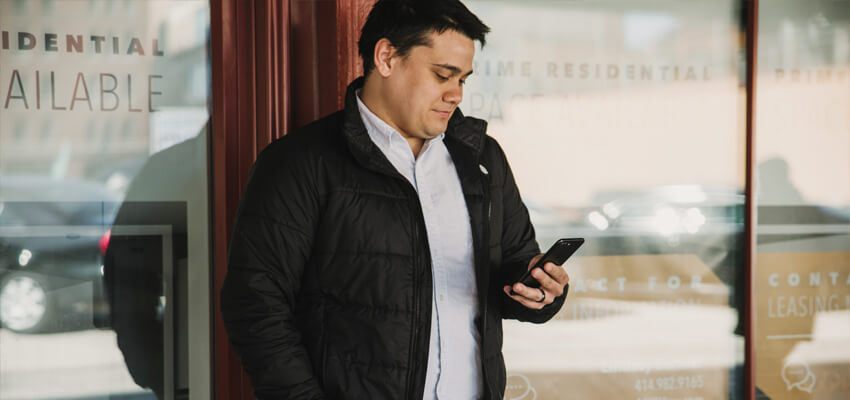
(52, 236)
(707, 221)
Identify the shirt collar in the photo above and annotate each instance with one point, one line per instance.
(382, 133)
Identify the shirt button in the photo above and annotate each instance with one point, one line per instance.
(442, 298)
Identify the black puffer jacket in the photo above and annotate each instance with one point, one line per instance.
(328, 289)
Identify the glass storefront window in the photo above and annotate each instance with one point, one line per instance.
(803, 163)
(624, 124)
(104, 245)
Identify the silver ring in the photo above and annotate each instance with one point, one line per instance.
(544, 295)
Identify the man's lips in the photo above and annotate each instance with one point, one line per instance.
(444, 114)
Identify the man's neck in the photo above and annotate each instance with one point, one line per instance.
(370, 98)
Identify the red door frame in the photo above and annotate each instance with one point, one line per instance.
(751, 29)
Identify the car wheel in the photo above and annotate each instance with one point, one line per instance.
(25, 305)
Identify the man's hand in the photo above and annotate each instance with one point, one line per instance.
(552, 280)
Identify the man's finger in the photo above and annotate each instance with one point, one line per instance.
(557, 273)
(526, 292)
(525, 301)
(547, 283)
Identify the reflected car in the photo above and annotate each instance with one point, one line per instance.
(704, 220)
(51, 253)
(707, 221)
(675, 219)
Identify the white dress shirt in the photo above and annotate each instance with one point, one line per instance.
(454, 358)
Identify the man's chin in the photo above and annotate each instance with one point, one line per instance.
(436, 131)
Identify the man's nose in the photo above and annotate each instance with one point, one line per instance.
(454, 95)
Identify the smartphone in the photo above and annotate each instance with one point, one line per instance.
(557, 254)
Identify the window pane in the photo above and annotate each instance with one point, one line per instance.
(803, 163)
(623, 122)
(104, 270)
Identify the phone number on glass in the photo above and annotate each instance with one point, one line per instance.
(670, 383)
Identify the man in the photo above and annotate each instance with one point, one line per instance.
(374, 249)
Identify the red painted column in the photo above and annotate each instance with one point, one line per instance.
(250, 107)
(276, 65)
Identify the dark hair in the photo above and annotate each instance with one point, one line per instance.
(407, 23)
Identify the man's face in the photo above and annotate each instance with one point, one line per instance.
(425, 87)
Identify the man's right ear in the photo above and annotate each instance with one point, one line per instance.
(384, 57)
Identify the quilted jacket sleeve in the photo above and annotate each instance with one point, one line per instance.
(519, 246)
(271, 244)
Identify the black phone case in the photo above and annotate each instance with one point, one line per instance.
(557, 254)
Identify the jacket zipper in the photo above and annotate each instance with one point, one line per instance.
(485, 259)
(414, 335)
(414, 327)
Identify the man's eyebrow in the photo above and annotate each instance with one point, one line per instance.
(455, 70)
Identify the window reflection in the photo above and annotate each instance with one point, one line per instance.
(103, 208)
(624, 123)
(803, 263)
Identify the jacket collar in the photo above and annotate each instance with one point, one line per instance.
(468, 131)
